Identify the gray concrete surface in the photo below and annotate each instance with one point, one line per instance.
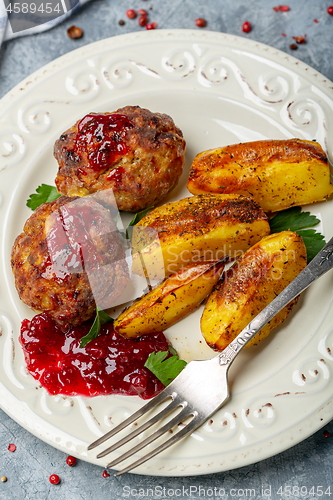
(307, 464)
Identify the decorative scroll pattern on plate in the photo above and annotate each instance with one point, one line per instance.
(12, 147)
(312, 374)
(82, 84)
(34, 118)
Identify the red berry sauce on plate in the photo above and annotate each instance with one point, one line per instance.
(109, 364)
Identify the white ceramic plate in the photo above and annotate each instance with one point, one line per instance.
(220, 90)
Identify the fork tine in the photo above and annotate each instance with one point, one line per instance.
(158, 433)
(160, 398)
(168, 409)
(189, 428)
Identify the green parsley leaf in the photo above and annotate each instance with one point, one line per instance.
(101, 318)
(313, 241)
(137, 217)
(45, 194)
(293, 219)
(172, 351)
(164, 369)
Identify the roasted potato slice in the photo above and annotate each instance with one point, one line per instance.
(170, 301)
(278, 174)
(249, 285)
(204, 227)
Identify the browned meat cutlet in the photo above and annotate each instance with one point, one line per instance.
(68, 258)
(138, 154)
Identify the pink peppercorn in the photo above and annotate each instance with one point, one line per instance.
(71, 461)
(143, 20)
(299, 39)
(54, 479)
(246, 27)
(200, 22)
(131, 14)
(330, 10)
(151, 26)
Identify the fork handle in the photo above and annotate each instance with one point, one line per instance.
(322, 263)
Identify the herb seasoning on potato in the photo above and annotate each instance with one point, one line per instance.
(278, 174)
(203, 227)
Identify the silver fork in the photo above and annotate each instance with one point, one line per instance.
(202, 387)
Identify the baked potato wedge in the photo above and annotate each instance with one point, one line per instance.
(249, 285)
(169, 301)
(203, 227)
(278, 174)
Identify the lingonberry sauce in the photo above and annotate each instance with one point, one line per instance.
(108, 364)
(116, 175)
(69, 244)
(102, 137)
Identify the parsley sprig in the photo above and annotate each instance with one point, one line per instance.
(293, 219)
(101, 318)
(137, 217)
(164, 368)
(44, 194)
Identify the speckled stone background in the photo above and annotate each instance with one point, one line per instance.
(308, 464)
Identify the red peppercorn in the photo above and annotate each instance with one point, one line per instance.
(246, 27)
(284, 8)
(151, 26)
(12, 447)
(200, 22)
(299, 39)
(54, 479)
(330, 10)
(131, 14)
(71, 461)
(143, 20)
(326, 434)
(105, 474)
(142, 12)
(293, 46)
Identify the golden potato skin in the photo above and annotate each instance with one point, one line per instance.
(202, 227)
(169, 301)
(250, 285)
(63, 288)
(139, 155)
(278, 174)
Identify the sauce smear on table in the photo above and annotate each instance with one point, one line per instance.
(109, 364)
